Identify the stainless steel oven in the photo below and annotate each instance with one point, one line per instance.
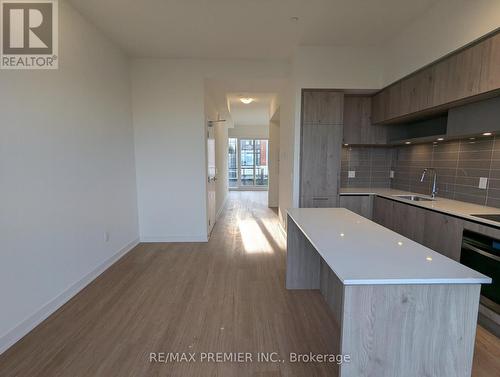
(482, 253)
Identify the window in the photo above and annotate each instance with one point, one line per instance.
(248, 163)
(233, 163)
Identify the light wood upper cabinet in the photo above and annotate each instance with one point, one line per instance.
(417, 91)
(490, 73)
(358, 127)
(318, 107)
(459, 78)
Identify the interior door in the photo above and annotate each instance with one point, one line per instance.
(212, 179)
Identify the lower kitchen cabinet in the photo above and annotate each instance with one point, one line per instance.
(443, 233)
(437, 231)
(360, 204)
(383, 212)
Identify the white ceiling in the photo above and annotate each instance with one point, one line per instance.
(227, 93)
(256, 113)
(246, 28)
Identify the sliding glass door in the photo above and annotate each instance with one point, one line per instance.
(248, 163)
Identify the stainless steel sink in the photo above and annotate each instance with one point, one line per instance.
(415, 198)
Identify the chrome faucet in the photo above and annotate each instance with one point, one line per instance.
(434, 182)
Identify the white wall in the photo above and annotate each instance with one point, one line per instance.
(317, 67)
(250, 132)
(66, 175)
(169, 127)
(274, 150)
(445, 27)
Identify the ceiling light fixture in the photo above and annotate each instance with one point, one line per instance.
(407, 142)
(487, 134)
(440, 139)
(247, 101)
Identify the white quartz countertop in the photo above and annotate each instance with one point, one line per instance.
(361, 252)
(448, 206)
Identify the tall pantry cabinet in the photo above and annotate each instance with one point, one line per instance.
(321, 147)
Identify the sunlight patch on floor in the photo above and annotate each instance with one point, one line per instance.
(273, 229)
(254, 240)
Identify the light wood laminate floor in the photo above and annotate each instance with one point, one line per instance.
(224, 296)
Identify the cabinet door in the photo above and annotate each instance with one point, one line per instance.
(490, 73)
(383, 212)
(322, 107)
(386, 104)
(443, 234)
(358, 128)
(379, 107)
(394, 98)
(402, 218)
(409, 221)
(320, 160)
(360, 204)
(458, 76)
(417, 91)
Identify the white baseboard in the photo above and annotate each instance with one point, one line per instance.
(14, 335)
(167, 239)
(222, 207)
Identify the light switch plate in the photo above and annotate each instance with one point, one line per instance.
(351, 174)
(483, 183)
(391, 174)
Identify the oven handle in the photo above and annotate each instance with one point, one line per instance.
(479, 251)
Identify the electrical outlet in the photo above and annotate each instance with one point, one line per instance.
(483, 183)
(351, 174)
(391, 174)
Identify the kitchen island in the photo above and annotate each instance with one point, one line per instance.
(402, 310)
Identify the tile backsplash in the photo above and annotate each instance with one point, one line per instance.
(460, 164)
(371, 166)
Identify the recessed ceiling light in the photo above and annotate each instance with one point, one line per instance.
(346, 145)
(440, 139)
(247, 101)
(487, 134)
(429, 259)
(407, 142)
(472, 138)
